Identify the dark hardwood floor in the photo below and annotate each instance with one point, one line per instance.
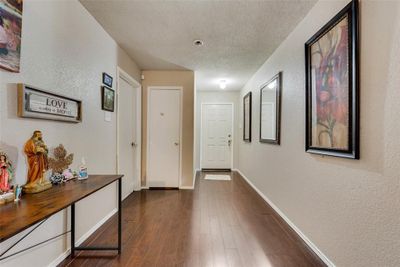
(220, 223)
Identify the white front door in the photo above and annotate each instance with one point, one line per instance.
(164, 128)
(127, 143)
(216, 136)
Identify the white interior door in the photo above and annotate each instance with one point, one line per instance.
(127, 139)
(164, 128)
(216, 136)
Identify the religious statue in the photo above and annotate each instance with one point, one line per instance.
(36, 152)
(6, 173)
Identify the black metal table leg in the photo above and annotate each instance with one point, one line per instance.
(119, 214)
(119, 247)
(73, 230)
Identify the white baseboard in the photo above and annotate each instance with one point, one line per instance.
(289, 222)
(67, 252)
(186, 187)
(60, 258)
(192, 186)
(95, 227)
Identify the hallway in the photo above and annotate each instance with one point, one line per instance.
(220, 223)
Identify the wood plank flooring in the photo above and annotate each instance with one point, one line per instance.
(220, 223)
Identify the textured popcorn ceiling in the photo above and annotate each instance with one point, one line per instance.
(238, 35)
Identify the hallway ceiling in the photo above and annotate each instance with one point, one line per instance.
(238, 35)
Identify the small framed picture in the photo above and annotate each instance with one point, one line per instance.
(107, 99)
(107, 79)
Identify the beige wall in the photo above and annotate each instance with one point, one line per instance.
(172, 78)
(218, 97)
(128, 65)
(349, 209)
(64, 50)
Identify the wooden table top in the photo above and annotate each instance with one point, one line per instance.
(32, 208)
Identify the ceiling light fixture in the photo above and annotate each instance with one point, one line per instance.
(198, 42)
(222, 84)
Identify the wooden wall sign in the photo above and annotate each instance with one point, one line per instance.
(39, 104)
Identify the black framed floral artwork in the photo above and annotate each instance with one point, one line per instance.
(332, 101)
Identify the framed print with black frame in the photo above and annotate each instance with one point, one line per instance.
(270, 110)
(332, 87)
(107, 79)
(247, 107)
(107, 99)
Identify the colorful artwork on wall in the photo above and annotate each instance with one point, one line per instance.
(10, 34)
(332, 87)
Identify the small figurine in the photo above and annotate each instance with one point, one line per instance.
(36, 152)
(6, 173)
(17, 193)
(68, 175)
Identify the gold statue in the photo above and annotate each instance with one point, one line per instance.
(36, 151)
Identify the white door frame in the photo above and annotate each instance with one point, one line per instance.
(201, 128)
(180, 88)
(136, 85)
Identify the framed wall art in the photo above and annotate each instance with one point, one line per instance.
(270, 106)
(10, 34)
(107, 99)
(39, 104)
(332, 101)
(247, 117)
(107, 79)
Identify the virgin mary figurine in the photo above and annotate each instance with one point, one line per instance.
(6, 173)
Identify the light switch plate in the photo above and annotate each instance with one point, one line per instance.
(107, 116)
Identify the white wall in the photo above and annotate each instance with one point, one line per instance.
(349, 209)
(64, 50)
(217, 97)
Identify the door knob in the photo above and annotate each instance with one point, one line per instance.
(176, 143)
(133, 144)
(229, 142)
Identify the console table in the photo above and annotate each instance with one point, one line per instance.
(37, 208)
